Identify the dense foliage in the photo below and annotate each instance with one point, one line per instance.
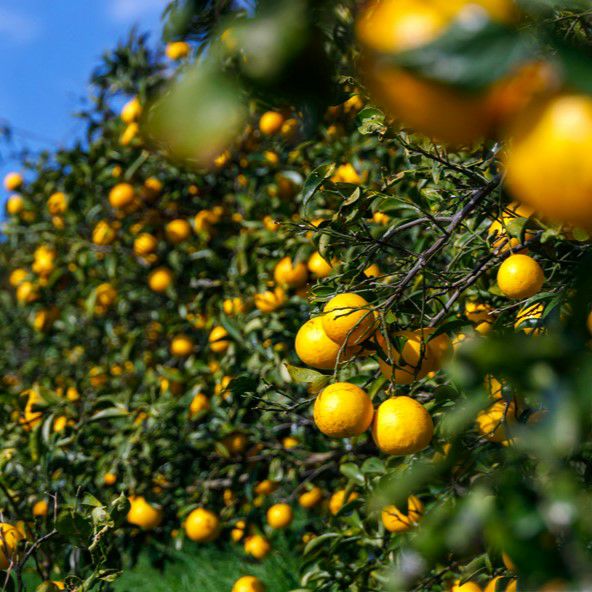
(156, 274)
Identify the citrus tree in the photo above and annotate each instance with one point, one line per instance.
(316, 273)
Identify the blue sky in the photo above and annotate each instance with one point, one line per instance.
(48, 49)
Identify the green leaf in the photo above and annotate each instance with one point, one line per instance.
(313, 182)
(73, 526)
(352, 472)
(470, 56)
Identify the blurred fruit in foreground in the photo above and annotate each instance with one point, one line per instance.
(396, 521)
(13, 181)
(177, 50)
(549, 159)
(248, 584)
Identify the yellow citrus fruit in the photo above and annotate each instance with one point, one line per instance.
(178, 230)
(177, 50)
(9, 539)
(238, 532)
(181, 346)
(198, 405)
(131, 111)
(105, 294)
(248, 584)
(31, 416)
(145, 244)
(160, 279)
(266, 487)
(270, 301)
(121, 195)
(271, 122)
(15, 204)
(311, 498)
(396, 521)
(481, 314)
(418, 356)
(217, 339)
(372, 271)
(143, 514)
(315, 349)
(528, 319)
(466, 587)
(498, 234)
(57, 203)
(13, 181)
(233, 306)
(280, 516)
(380, 218)
(40, 508)
(235, 443)
(346, 173)
(343, 410)
(348, 318)
(257, 546)
(17, 276)
(520, 276)
(109, 479)
(549, 162)
(319, 266)
(103, 233)
(290, 442)
(202, 525)
(289, 274)
(27, 292)
(492, 422)
(338, 500)
(402, 426)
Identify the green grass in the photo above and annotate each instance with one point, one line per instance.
(213, 569)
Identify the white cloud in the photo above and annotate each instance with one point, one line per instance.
(133, 10)
(18, 27)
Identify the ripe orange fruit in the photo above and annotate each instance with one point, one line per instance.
(248, 584)
(346, 173)
(402, 426)
(103, 233)
(466, 587)
(528, 319)
(233, 306)
(290, 275)
(27, 292)
(348, 318)
(290, 442)
(145, 244)
(57, 203)
(311, 498)
(520, 276)
(315, 349)
(280, 516)
(396, 521)
(105, 294)
(177, 50)
(202, 526)
(121, 195)
(338, 500)
(491, 422)
(40, 508)
(238, 532)
(549, 156)
(235, 443)
(143, 514)
(17, 276)
(109, 479)
(13, 181)
(178, 230)
(199, 404)
(343, 410)
(270, 301)
(319, 266)
(9, 539)
(271, 122)
(181, 346)
(131, 111)
(481, 314)
(257, 546)
(217, 341)
(160, 279)
(15, 204)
